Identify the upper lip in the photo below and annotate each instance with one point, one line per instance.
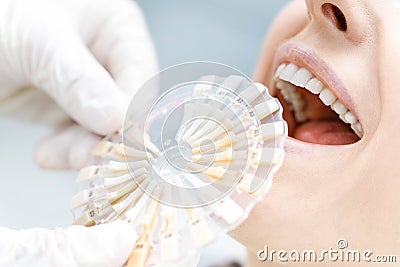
(305, 58)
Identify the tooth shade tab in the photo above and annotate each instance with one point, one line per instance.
(271, 130)
(252, 93)
(267, 108)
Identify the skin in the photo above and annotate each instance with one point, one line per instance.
(351, 192)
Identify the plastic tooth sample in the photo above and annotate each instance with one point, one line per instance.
(205, 86)
(228, 210)
(269, 157)
(87, 174)
(115, 181)
(270, 130)
(85, 219)
(127, 202)
(201, 233)
(252, 93)
(169, 241)
(216, 132)
(265, 109)
(134, 212)
(208, 127)
(205, 110)
(226, 140)
(225, 130)
(225, 155)
(139, 139)
(118, 151)
(81, 199)
(119, 194)
(143, 247)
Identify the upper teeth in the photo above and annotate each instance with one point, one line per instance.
(288, 76)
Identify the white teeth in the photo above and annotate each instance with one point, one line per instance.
(288, 72)
(279, 71)
(339, 108)
(290, 88)
(289, 76)
(343, 118)
(301, 77)
(350, 117)
(300, 117)
(299, 104)
(314, 86)
(280, 84)
(357, 128)
(327, 97)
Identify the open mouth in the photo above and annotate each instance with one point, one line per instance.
(313, 109)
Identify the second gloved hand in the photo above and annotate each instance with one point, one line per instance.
(88, 56)
(106, 245)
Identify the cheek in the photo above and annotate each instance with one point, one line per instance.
(298, 202)
(277, 219)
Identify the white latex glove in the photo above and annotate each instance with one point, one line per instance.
(88, 56)
(106, 245)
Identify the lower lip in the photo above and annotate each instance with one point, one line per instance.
(295, 146)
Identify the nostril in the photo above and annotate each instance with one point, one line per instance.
(335, 15)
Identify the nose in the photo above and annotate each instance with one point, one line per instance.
(342, 18)
(332, 12)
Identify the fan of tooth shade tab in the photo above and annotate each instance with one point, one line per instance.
(187, 167)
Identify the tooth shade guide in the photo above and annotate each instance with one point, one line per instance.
(229, 154)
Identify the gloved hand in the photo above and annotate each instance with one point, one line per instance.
(106, 245)
(89, 56)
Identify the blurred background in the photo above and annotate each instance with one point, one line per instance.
(225, 31)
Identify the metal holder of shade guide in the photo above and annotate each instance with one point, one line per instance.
(188, 167)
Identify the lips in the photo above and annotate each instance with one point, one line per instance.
(317, 106)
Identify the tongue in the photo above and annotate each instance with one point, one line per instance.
(325, 132)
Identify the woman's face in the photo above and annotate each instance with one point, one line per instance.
(334, 184)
